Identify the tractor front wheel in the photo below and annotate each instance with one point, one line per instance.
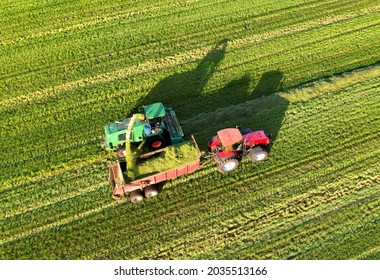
(136, 196)
(257, 154)
(228, 165)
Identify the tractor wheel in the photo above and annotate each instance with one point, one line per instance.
(257, 154)
(136, 196)
(228, 165)
(150, 191)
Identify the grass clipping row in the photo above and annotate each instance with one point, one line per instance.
(173, 157)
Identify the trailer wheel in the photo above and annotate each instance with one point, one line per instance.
(228, 165)
(150, 191)
(257, 154)
(136, 196)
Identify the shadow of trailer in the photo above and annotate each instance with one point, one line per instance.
(146, 186)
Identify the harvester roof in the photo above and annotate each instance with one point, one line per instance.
(229, 136)
(154, 110)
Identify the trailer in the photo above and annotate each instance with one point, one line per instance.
(145, 185)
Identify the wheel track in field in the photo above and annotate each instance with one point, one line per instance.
(93, 211)
(79, 26)
(309, 91)
(66, 208)
(366, 254)
(139, 11)
(355, 76)
(303, 121)
(302, 163)
(325, 230)
(46, 174)
(57, 223)
(135, 50)
(265, 220)
(99, 159)
(170, 61)
(227, 235)
(189, 209)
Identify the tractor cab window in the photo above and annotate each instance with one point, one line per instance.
(237, 146)
(234, 147)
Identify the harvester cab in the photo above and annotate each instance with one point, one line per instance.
(155, 126)
(230, 145)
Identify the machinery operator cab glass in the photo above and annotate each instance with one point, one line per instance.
(154, 113)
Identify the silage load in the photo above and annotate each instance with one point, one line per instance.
(174, 156)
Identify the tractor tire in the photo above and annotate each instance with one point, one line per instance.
(150, 191)
(228, 164)
(136, 196)
(257, 154)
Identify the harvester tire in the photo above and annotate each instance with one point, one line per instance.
(150, 191)
(136, 196)
(228, 164)
(257, 154)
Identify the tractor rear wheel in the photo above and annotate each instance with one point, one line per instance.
(150, 191)
(228, 164)
(257, 154)
(136, 196)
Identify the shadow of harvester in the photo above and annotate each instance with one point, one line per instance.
(245, 102)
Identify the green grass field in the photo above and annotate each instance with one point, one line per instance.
(305, 71)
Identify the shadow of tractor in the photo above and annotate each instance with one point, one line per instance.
(243, 102)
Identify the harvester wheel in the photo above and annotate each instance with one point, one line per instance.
(257, 154)
(150, 191)
(228, 165)
(136, 196)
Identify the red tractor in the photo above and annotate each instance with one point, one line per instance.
(230, 145)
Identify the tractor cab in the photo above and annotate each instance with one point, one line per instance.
(225, 140)
(229, 138)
